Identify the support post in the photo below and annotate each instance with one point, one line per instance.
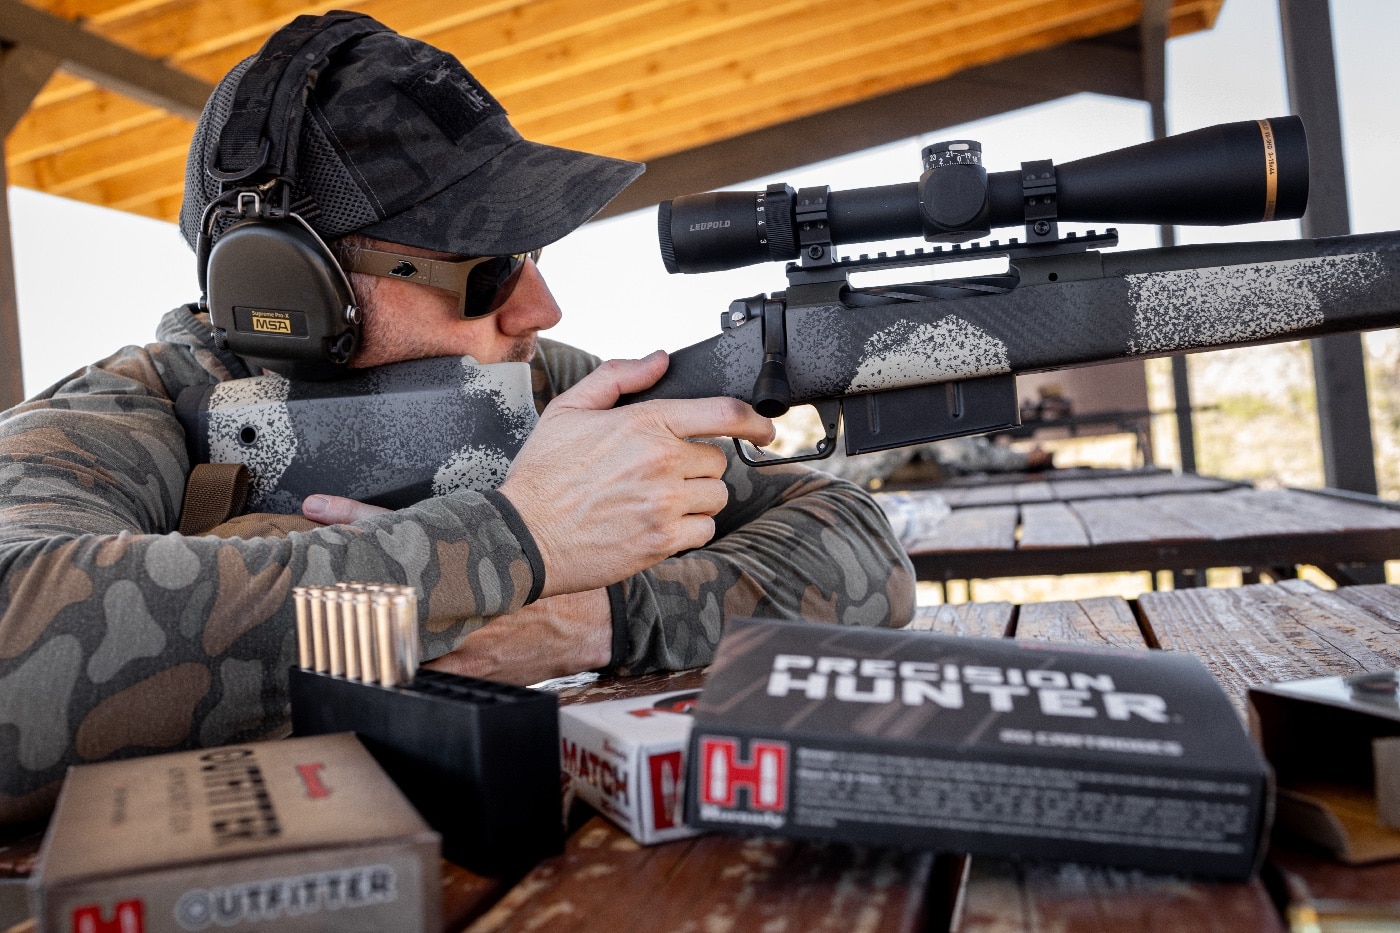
(1152, 33)
(1344, 417)
(1339, 362)
(22, 73)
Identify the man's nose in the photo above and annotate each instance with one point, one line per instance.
(531, 306)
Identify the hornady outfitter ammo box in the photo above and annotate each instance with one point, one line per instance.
(626, 758)
(305, 834)
(995, 747)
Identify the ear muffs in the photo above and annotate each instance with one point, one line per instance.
(278, 297)
(275, 292)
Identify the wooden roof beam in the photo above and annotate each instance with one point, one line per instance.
(23, 71)
(1105, 65)
(102, 61)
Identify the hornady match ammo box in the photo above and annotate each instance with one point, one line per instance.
(303, 834)
(995, 747)
(626, 758)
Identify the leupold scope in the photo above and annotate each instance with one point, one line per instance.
(1228, 174)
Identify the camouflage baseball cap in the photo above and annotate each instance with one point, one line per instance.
(402, 144)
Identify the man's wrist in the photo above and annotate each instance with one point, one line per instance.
(621, 635)
(511, 516)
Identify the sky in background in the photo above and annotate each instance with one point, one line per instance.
(91, 280)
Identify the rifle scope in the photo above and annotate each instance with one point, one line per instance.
(1233, 173)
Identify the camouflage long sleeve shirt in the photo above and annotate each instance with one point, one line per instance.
(120, 637)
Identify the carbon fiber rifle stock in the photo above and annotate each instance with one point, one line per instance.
(916, 363)
(389, 436)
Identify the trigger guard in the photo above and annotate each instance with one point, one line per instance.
(830, 412)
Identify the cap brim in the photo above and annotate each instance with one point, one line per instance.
(526, 197)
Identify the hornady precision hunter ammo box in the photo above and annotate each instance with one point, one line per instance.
(995, 747)
(626, 758)
(303, 834)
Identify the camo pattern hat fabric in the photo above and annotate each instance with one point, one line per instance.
(402, 144)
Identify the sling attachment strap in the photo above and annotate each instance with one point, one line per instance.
(214, 493)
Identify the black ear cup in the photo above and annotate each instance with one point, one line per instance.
(278, 297)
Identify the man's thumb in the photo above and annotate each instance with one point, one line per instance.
(601, 389)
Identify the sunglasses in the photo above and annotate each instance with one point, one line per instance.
(481, 285)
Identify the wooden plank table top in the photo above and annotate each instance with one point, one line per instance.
(606, 882)
(661, 883)
(1148, 521)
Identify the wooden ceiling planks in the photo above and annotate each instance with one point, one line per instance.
(802, 83)
(633, 78)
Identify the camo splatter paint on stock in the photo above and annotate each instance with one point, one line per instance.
(118, 637)
(1203, 307)
(368, 436)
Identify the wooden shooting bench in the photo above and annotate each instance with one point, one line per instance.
(1066, 522)
(1247, 635)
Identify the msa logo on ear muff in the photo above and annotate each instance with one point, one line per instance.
(270, 322)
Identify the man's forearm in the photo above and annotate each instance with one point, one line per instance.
(115, 643)
(553, 637)
(823, 553)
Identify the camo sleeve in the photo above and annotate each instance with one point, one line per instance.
(793, 543)
(119, 638)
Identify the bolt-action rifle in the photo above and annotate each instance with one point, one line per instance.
(901, 364)
(924, 361)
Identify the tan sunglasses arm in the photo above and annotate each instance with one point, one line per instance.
(435, 273)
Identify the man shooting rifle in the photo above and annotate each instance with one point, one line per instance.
(616, 541)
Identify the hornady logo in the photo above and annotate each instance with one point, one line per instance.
(674, 704)
(310, 774)
(709, 225)
(666, 789)
(761, 777)
(127, 917)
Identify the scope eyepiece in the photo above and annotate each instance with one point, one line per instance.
(727, 229)
(1234, 173)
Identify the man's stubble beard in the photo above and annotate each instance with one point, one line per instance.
(522, 350)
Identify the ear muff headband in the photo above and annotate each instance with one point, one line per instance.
(260, 137)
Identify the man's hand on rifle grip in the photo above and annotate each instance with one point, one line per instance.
(608, 492)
